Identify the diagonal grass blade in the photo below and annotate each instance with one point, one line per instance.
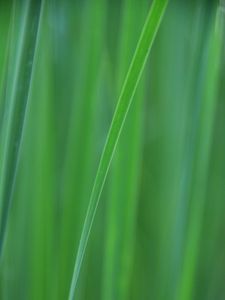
(18, 101)
(133, 76)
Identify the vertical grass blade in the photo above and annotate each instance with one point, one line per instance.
(200, 170)
(133, 76)
(18, 105)
(124, 180)
(80, 147)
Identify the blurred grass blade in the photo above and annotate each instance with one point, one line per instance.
(124, 180)
(18, 105)
(133, 76)
(202, 156)
(77, 173)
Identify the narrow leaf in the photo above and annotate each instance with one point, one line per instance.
(18, 105)
(133, 76)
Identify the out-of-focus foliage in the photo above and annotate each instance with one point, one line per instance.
(159, 228)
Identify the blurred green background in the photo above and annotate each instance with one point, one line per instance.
(159, 231)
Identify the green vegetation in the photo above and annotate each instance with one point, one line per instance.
(77, 103)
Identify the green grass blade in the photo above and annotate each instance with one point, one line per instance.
(200, 173)
(18, 105)
(133, 76)
(124, 180)
(77, 174)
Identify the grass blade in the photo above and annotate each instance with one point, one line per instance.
(77, 172)
(202, 156)
(18, 105)
(133, 76)
(124, 178)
